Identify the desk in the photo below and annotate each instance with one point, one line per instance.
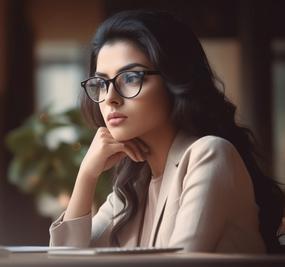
(149, 260)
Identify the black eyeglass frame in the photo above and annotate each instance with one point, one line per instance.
(113, 81)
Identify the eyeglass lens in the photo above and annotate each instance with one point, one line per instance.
(127, 84)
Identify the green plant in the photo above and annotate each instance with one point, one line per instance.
(47, 151)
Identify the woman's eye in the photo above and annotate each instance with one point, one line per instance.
(131, 78)
(97, 84)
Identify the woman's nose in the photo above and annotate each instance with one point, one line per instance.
(112, 96)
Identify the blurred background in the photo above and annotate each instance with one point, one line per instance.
(44, 54)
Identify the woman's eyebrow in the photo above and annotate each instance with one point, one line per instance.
(124, 68)
(132, 65)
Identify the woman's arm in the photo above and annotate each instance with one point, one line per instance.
(104, 152)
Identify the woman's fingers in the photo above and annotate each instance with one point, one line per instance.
(135, 149)
(138, 150)
(114, 159)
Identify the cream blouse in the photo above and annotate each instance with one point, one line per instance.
(150, 209)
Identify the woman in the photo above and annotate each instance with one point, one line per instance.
(185, 172)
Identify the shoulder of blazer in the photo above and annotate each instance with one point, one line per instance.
(184, 145)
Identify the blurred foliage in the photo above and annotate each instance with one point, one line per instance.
(45, 161)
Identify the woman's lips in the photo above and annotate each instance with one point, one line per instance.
(116, 121)
(115, 118)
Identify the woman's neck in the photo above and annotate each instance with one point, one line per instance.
(159, 143)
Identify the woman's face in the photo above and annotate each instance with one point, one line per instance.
(138, 117)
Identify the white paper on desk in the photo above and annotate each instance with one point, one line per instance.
(30, 249)
(111, 250)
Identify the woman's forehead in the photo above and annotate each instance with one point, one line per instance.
(113, 56)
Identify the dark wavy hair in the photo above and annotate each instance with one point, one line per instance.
(199, 107)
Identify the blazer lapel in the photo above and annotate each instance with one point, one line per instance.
(180, 144)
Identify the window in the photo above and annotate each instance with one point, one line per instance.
(278, 71)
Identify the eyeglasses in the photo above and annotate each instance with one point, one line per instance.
(127, 84)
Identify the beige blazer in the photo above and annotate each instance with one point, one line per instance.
(206, 204)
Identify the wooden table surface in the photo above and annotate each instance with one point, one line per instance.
(143, 260)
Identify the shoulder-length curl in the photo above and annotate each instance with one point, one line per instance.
(199, 107)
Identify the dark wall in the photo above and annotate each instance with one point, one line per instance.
(20, 223)
(207, 18)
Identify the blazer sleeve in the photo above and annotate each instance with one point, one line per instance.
(84, 231)
(206, 195)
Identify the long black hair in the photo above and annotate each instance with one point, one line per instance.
(199, 107)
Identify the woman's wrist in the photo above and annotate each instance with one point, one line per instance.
(81, 200)
(87, 176)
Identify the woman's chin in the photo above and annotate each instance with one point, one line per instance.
(121, 136)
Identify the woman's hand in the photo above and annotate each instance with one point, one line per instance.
(104, 152)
